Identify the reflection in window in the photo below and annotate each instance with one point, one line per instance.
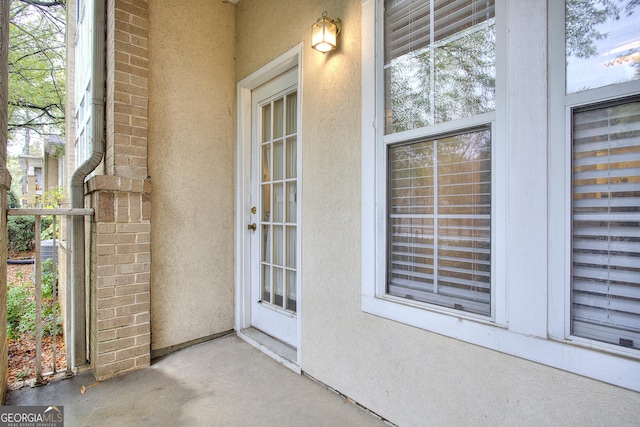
(439, 221)
(439, 61)
(606, 223)
(602, 43)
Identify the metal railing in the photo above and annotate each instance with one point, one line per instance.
(38, 214)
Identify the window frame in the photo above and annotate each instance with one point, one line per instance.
(437, 217)
(83, 85)
(561, 107)
(527, 322)
(423, 134)
(377, 301)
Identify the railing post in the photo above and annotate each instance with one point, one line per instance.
(69, 314)
(54, 294)
(78, 292)
(38, 274)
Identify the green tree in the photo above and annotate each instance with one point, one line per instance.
(452, 78)
(37, 66)
(582, 25)
(584, 20)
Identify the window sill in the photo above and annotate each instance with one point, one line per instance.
(620, 369)
(433, 311)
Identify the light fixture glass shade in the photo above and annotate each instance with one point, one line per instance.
(324, 34)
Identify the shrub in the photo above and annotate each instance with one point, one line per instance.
(21, 231)
(28, 321)
(21, 307)
(47, 228)
(47, 278)
(12, 200)
(17, 300)
(52, 197)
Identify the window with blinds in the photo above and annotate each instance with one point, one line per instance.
(439, 66)
(606, 223)
(439, 221)
(439, 61)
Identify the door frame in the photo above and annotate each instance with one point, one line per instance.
(245, 87)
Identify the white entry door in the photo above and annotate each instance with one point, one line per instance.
(275, 211)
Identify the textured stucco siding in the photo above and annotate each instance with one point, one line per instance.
(191, 164)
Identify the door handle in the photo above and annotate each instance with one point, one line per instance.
(252, 227)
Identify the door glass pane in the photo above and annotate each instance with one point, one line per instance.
(266, 283)
(266, 163)
(292, 117)
(291, 247)
(278, 118)
(602, 43)
(266, 244)
(266, 123)
(278, 286)
(292, 204)
(278, 243)
(278, 202)
(266, 202)
(292, 157)
(291, 290)
(278, 159)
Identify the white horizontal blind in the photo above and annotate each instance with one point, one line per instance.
(606, 223)
(439, 224)
(408, 22)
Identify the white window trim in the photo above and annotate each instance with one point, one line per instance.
(560, 191)
(381, 242)
(525, 318)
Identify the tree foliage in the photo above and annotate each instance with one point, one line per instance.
(37, 66)
(584, 21)
(448, 80)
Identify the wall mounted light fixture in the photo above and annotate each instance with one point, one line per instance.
(324, 33)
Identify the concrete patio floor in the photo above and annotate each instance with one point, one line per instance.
(223, 382)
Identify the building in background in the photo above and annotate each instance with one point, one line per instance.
(43, 175)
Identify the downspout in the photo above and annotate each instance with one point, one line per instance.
(77, 230)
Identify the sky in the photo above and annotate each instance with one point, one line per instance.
(611, 64)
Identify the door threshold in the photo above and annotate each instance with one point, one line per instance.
(279, 351)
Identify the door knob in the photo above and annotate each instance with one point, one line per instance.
(252, 227)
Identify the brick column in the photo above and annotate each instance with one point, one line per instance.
(127, 88)
(120, 333)
(5, 185)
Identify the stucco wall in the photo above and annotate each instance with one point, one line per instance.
(191, 164)
(407, 375)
